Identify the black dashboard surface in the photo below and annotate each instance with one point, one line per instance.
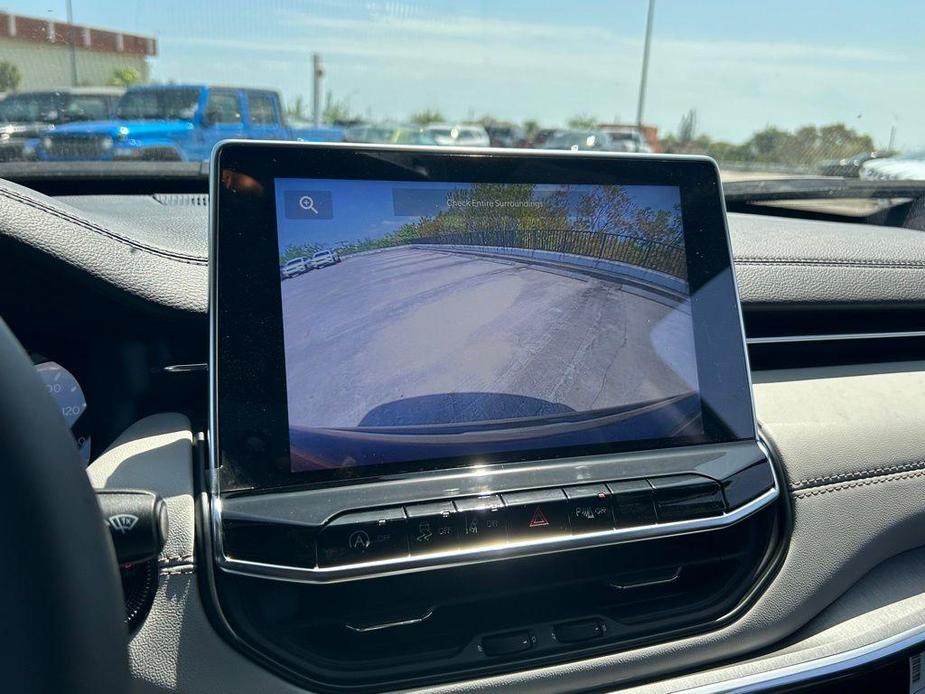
(780, 262)
(141, 261)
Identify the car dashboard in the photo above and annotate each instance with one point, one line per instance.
(113, 288)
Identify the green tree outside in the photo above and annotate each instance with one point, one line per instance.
(531, 127)
(800, 148)
(687, 129)
(337, 111)
(582, 121)
(10, 76)
(125, 77)
(427, 116)
(296, 109)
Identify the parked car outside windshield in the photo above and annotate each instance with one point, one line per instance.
(589, 140)
(60, 106)
(27, 116)
(459, 135)
(769, 93)
(158, 104)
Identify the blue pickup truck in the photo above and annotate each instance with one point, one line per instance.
(177, 123)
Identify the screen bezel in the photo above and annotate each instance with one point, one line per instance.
(248, 410)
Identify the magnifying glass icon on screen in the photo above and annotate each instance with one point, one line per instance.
(307, 202)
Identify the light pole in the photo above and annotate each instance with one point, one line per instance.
(72, 41)
(640, 105)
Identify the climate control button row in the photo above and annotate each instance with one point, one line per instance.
(469, 523)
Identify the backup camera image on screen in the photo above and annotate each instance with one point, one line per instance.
(429, 320)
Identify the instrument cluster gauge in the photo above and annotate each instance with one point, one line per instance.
(69, 396)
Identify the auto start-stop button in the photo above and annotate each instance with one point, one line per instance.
(363, 537)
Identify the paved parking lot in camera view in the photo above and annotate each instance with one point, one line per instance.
(487, 338)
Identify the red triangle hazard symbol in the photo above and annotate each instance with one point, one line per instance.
(538, 520)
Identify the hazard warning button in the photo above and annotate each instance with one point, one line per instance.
(532, 515)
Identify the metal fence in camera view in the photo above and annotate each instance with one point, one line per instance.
(659, 256)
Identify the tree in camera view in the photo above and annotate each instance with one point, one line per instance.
(601, 222)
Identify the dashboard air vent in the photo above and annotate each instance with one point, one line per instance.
(182, 199)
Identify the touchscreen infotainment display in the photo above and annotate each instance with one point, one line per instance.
(385, 313)
(426, 320)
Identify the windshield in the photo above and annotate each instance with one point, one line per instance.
(772, 90)
(158, 104)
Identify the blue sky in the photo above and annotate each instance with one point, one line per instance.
(364, 209)
(741, 64)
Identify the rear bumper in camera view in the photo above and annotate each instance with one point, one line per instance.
(318, 448)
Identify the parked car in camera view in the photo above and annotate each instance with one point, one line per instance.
(26, 116)
(177, 123)
(324, 258)
(295, 266)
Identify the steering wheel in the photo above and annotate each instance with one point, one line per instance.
(61, 606)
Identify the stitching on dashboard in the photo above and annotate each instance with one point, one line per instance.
(870, 264)
(810, 482)
(200, 260)
(102, 231)
(858, 483)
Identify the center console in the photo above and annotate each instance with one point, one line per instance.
(475, 410)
